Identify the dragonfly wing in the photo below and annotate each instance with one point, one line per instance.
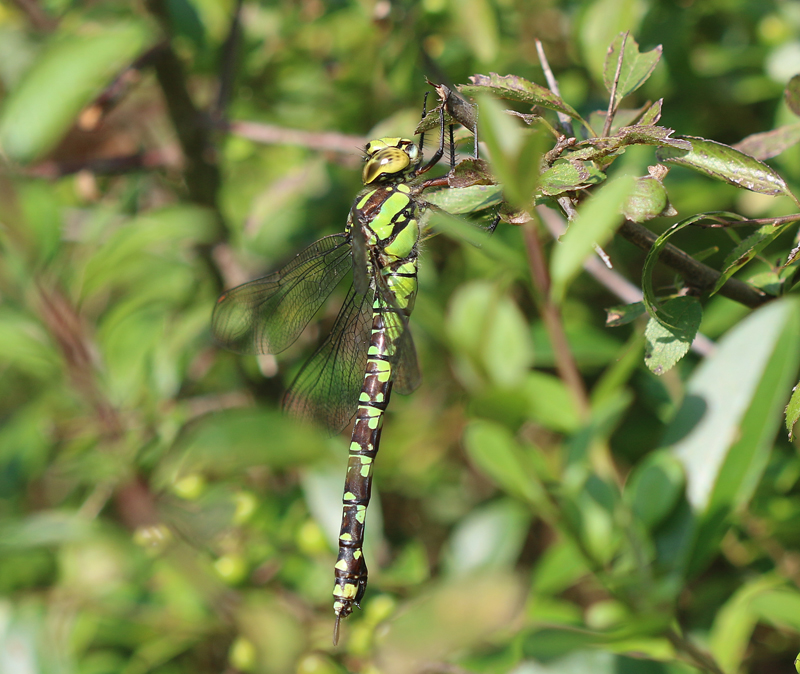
(327, 388)
(360, 273)
(267, 315)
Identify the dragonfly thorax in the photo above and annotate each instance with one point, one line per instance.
(390, 160)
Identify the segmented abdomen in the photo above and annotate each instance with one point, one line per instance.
(387, 325)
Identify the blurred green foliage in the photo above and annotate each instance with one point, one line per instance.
(159, 514)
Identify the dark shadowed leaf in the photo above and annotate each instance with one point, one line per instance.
(792, 94)
(747, 250)
(770, 143)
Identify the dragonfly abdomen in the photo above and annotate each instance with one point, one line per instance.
(351, 568)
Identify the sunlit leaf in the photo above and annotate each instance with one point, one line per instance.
(724, 163)
(635, 68)
(67, 76)
(515, 88)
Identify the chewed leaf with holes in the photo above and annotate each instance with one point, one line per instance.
(667, 344)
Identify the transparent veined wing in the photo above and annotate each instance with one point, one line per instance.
(360, 272)
(267, 315)
(326, 389)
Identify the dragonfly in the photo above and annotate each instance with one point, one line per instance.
(369, 351)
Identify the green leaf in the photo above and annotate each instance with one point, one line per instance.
(724, 431)
(793, 410)
(565, 176)
(549, 402)
(515, 152)
(792, 94)
(725, 163)
(70, 73)
(652, 114)
(747, 250)
(486, 326)
(624, 314)
(780, 607)
(770, 144)
(462, 200)
(635, 69)
(601, 22)
(495, 452)
(490, 537)
(667, 344)
(655, 487)
(231, 440)
(647, 201)
(639, 134)
(734, 623)
(469, 172)
(597, 219)
(650, 299)
(515, 88)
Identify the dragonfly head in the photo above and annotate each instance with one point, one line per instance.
(390, 160)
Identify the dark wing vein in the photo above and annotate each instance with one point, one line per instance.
(327, 388)
(267, 315)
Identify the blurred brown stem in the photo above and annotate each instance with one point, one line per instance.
(694, 273)
(201, 171)
(565, 363)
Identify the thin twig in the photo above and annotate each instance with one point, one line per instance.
(696, 274)
(694, 655)
(278, 135)
(563, 119)
(165, 157)
(727, 224)
(612, 280)
(612, 101)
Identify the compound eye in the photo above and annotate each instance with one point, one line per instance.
(387, 162)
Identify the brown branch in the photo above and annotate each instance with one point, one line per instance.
(563, 119)
(695, 273)
(165, 157)
(228, 58)
(201, 171)
(565, 363)
(39, 19)
(278, 135)
(612, 101)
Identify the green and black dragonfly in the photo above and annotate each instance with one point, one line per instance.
(369, 351)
